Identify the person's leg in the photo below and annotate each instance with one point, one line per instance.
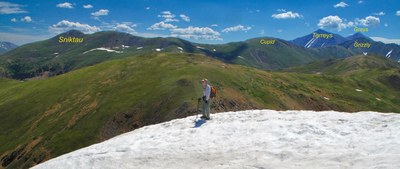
(208, 109)
(203, 108)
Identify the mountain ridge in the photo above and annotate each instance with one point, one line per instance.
(50, 57)
(6, 46)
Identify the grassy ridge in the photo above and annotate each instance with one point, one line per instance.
(42, 119)
(50, 58)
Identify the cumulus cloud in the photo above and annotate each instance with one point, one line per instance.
(168, 16)
(398, 13)
(197, 33)
(65, 25)
(65, 5)
(236, 28)
(335, 22)
(385, 40)
(368, 21)
(23, 19)
(379, 13)
(101, 12)
(161, 26)
(287, 15)
(332, 22)
(26, 19)
(125, 27)
(184, 17)
(87, 6)
(340, 5)
(11, 8)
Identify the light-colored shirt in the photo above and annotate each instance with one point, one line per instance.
(207, 92)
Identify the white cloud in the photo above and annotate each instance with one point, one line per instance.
(340, 5)
(236, 28)
(26, 19)
(148, 8)
(360, 2)
(287, 15)
(398, 13)
(385, 40)
(14, 20)
(65, 25)
(332, 22)
(10, 8)
(386, 25)
(368, 21)
(379, 13)
(197, 33)
(101, 12)
(214, 25)
(161, 26)
(335, 22)
(279, 30)
(87, 6)
(281, 10)
(124, 27)
(184, 17)
(65, 5)
(168, 16)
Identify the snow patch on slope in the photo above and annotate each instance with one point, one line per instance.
(310, 43)
(251, 139)
(103, 49)
(388, 54)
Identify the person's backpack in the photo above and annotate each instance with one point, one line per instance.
(213, 92)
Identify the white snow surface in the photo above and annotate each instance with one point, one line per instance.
(310, 43)
(103, 49)
(199, 47)
(251, 139)
(388, 54)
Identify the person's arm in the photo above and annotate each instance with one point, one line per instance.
(208, 92)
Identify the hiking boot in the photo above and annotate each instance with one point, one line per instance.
(203, 117)
(207, 118)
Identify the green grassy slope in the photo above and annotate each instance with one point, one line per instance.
(42, 119)
(50, 58)
(347, 66)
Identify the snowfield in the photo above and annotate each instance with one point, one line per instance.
(251, 139)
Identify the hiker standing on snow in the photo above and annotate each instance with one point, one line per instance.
(206, 100)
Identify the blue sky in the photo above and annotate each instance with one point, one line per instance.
(208, 21)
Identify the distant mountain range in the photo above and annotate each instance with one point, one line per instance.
(7, 46)
(108, 83)
(61, 54)
(319, 38)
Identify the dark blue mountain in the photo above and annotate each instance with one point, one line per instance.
(319, 38)
(357, 36)
(6, 46)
